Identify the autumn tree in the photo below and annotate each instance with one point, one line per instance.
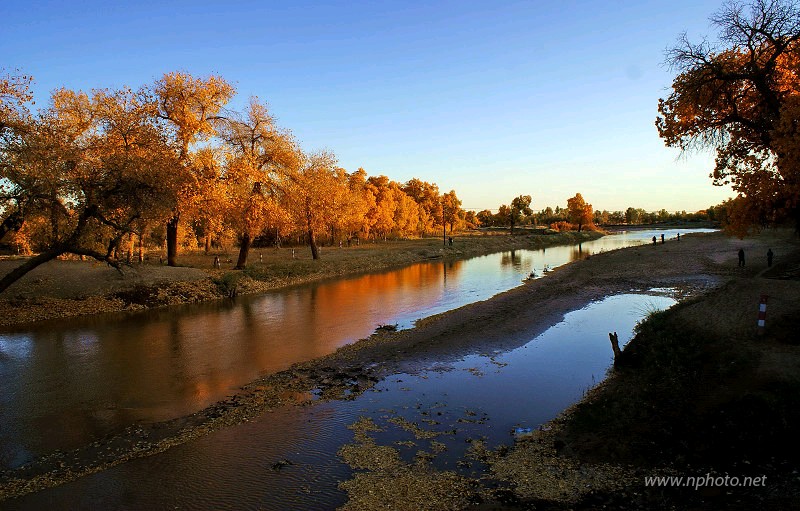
(579, 212)
(503, 215)
(189, 106)
(209, 210)
(381, 214)
(259, 156)
(741, 97)
(485, 218)
(519, 206)
(92, 166)
(406, 213)
(310, 200)
(15, 95)
(361, 200)
(452, 209)
(427, 197)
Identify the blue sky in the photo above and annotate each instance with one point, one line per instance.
(492, 99)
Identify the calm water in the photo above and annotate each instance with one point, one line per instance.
(65, 383)
(482, 396)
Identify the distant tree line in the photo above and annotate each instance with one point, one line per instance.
(579, 215)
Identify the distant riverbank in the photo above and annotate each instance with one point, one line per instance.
(69, 288)
(665, 225)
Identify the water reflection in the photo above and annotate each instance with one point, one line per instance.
(68, 382)
(231, 468)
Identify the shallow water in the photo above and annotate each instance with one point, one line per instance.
(482, 396)
(65, 383)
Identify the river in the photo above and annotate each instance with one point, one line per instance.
(68, 382)
(483, 396)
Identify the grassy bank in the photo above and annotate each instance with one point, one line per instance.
(698, 391)
(77, 288)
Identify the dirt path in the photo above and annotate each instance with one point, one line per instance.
(693, 266)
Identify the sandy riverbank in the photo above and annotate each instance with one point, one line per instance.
(695, 265)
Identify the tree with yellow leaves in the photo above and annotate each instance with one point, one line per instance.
(93, 165)
(741, 97)
(406, 213)
(429, 204)
(15, 94)
(520, 206)
(259, 156)
(190, 107)
(381, 215)
(579, 212)
(309, 198)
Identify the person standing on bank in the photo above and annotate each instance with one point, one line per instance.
(741, 257)
(770, 255)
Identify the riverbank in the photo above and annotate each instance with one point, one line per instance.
(695, 265)
(69, 288)
(700, 395)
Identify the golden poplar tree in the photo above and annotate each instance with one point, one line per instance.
(189, 106)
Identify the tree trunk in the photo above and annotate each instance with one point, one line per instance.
(313, 243)
(141, 249)
(208, 243)
(20, 271)
(131, 244)
(244, 250)
(614, 338)
(172, 241)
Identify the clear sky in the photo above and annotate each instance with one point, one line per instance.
(492, 99)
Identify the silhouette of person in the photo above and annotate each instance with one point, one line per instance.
(741, 257)
(662, 239)
(654, 240)
(450, 239)
(679, 236)
(770, 255)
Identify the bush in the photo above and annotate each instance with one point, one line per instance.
(229, 283)
(562, 226)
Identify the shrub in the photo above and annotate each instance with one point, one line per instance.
(229, 283)
(562, 226)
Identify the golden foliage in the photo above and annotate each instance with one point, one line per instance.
(168, 161)
(742, 101)
(579, 212)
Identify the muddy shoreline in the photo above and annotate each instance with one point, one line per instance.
(694, 265)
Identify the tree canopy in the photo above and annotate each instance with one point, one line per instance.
(579, 212)
(168, 163)
(520, 206)
(741, 97)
